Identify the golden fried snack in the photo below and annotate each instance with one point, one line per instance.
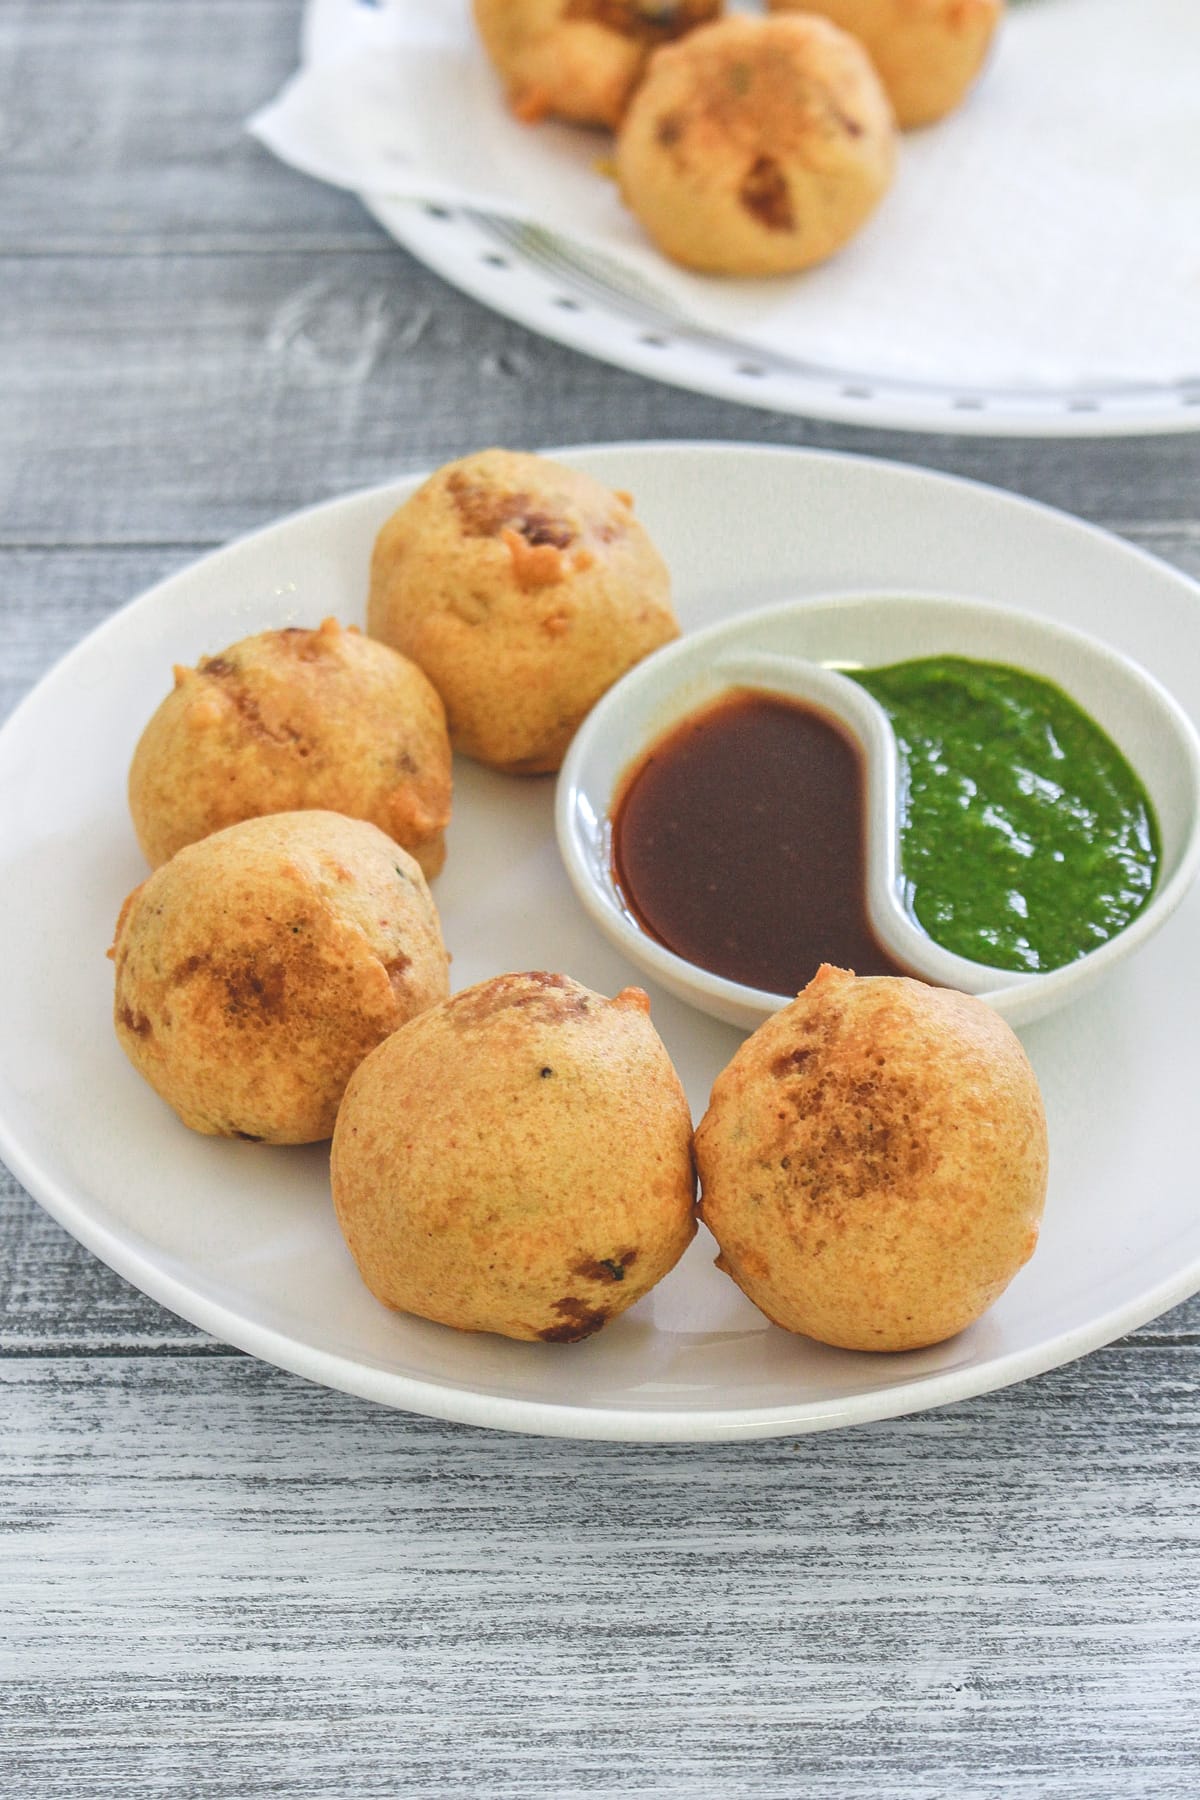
(756, 146)
(579, 59)
(927, 52)
(257, 968)
(873, 1162)
(289, 720)
(523, 589)
(517, 1160)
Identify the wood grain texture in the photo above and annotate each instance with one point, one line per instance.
(218, 1580)
(122, 129)
(181, 398)
(325, 1598)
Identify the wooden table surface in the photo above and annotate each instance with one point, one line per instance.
(220, 1580)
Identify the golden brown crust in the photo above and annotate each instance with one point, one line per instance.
(928, 52)
(873, 1162)
(289, 720)
(524, 590)
(756, 146)
(579, 59)
(517, 1160)
(257, 968)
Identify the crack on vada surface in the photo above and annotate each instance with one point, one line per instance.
(647, 21)
(137, 1022)
(251, 987)
(534, 565)
(764, 194)
(607, 1268)
(542, 995)
(579, 1322)
(248, 708)
(486, 512)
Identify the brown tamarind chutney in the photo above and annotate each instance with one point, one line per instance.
(739, 842)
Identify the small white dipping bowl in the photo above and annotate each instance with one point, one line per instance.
(795, 650)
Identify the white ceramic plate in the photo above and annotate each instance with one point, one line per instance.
(241, 1239)
(1027, 273)
(550, 285)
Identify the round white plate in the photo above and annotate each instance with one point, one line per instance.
(241, 1239)
(1032, 269)
(552, 286)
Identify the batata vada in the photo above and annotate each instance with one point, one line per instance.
(257, 968)
(579, 59)
(517, 1160)
(294, 719)
(523, 589)
(873, 1162)
(928, 52)
(756, 146)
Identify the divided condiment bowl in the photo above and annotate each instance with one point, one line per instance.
(795, 651)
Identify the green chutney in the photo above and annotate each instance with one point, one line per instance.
(1026, 839)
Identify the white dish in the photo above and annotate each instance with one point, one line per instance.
(797, 649)
(1008, 309)
(544, 281)
(242, 1240)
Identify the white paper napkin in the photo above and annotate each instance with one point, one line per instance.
(1046, 234)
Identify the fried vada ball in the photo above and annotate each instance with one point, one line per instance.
(579, 59)
(873, 1162)
(523, 589)
(293, 719)
(257, 968)
(756, 146)
(927, 52)
(517, 1160)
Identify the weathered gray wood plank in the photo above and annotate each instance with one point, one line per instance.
(190, 398)
(50, 599)
(325, 1598)
(56, 1298)
(124, 130)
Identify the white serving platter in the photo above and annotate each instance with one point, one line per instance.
(1032, 269)
(241, 1239)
